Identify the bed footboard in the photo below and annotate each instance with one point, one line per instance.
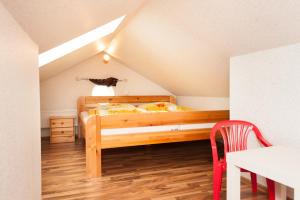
(93, 146)
(94, 141)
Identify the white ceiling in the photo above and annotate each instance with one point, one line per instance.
(53, 22)
(184, 45)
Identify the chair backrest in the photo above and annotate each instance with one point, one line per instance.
(235, 135)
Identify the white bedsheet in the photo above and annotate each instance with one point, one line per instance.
(149, 129)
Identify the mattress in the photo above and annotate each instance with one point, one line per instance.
(149, 129)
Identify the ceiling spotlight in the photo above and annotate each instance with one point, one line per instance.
(106, 58)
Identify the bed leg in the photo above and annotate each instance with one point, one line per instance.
(93, 147)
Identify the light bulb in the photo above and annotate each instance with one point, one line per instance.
(106, 58)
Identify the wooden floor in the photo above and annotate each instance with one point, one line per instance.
(181, 171)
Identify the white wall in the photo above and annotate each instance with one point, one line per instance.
(20, 149)
(265, 89)
(59, 93)
(204, 103)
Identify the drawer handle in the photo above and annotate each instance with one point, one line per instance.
(62, 123)
(62, 132)
(53, 123)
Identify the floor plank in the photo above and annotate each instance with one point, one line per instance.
(181, 171)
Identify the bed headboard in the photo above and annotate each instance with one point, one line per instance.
(84, 100)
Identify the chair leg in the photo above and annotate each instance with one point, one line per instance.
(271, 189)
(217, 182)
(253, 182)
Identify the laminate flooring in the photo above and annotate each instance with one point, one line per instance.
(177, 171)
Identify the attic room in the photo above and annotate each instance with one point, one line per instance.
(150, 99)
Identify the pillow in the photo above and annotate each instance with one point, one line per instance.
(163, 107)
(116, 108)
(155, 107)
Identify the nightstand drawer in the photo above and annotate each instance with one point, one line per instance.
(62, 131)
(62, 139)
(57, 123)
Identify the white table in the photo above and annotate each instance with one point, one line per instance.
(281, 164)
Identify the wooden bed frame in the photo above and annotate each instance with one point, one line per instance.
(95, 142)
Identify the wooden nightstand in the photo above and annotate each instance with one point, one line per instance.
(62, 129)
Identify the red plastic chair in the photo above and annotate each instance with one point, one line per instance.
(235, 136)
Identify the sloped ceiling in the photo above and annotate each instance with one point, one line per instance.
(53, 22)
(185, 45)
